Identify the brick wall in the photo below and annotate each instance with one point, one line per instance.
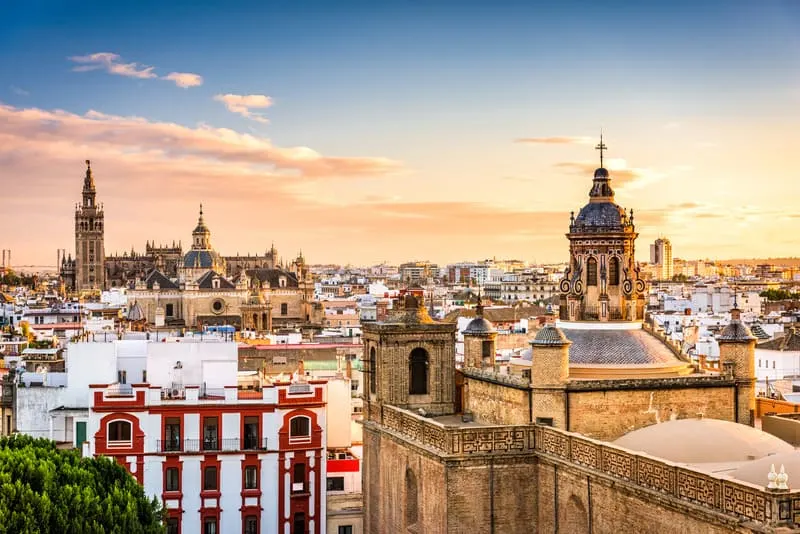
(497, 404)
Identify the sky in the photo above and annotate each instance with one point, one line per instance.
(363, 132)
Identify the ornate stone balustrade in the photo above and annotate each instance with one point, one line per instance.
(459, 439)
(739, 500)
(721, 494)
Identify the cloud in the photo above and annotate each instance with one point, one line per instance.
(111, 63)
(59, 133)
(564, 140)
(243, 104)
(184, 79)
(19, 91)
(672, 125)
(620, 173)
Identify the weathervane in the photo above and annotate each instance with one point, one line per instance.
(601, 147)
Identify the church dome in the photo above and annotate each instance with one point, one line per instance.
(479, 325)
(201, 259)
(701, 441)
(755, 472)
(601, 216)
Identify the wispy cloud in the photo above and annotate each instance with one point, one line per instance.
(244, 104)
(557, 140)
(621, 174)
(112, 64)
(60, 133)
(19, 91)
(184, 79)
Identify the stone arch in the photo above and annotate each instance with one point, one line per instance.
(591, 271)
(418, 372)
(613, 271)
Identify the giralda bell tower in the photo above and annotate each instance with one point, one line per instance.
(90, 251)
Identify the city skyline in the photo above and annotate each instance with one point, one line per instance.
(367, 134)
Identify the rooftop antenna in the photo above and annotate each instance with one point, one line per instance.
(601, 147)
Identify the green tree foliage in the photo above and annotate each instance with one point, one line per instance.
(47, 490)
(779, 294)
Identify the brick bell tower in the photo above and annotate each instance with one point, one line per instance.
(410, 361)
(90, 253)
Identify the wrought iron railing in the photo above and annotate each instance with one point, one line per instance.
(203, 445)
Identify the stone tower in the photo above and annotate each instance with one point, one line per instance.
(410, 361)
(602, 281)
(90, 254)
(549, 375)
(737, 353)
(480, 338)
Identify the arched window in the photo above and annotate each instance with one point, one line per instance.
(299, 429)
(591, 272)
(418, 372)
(412, 513)
(373, 379)
(613, 272)
(119, 434)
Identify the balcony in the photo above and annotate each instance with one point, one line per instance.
(210, 445)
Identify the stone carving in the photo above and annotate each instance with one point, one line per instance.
(745, 502)
(656, 475)
(619, 463)
(699, 488)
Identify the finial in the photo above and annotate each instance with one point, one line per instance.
(201, 210)
(601, 147)
(782, 479)
(631, 215)
(479, 306)
(88, 165)
(771, 476)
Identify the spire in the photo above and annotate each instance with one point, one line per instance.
(200, 219)
(479, 306)
(601, 147)
(88, 181)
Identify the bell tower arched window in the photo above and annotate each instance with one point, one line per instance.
(613, 272)
(373, 379)
(418, 372)
(591, 272)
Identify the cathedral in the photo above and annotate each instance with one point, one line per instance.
(197, 288)
(588, 435)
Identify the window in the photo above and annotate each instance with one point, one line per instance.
(250, 477)
(613, 272)
(345, 529)
(773, 364)
(210, 525)
(210, 434)
(300, 429)
(299, 478)
(251, 432)
(284, 309)
(172, 525)
(170, 310)
(144, 376)
(418, 372)
(335, 484)
(373, 380)
(486, 349)
(210, 478)
(591, 272)
(119, 434)
(546, 421)
(411, 498)
(251, 525)
(172, 434)
(172, 479)
(299, 524)
(122, 377)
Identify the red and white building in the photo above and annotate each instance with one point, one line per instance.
(222, 459)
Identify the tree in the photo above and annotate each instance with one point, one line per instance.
(47, 490)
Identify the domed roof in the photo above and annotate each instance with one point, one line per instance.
(755, 472)
(201, 259)
(135, 313)
(550, 335)
(699, 441)
(735, 331)
(597, 216)
(479, 325)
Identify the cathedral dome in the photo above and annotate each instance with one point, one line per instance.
(202, 259)
(600, 216)
(700, 441)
